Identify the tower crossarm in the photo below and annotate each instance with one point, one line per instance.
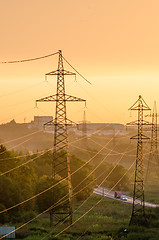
(68, 123)
(138, 106)
(137, 122)
(54, 98)
(70, 98)
(59, 72)
(71, 123)
(50, 123)
(51, 98)
(142, 135)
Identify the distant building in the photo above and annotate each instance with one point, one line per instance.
(4, 230)
(92, 128)
(102, 129)
(39, 121)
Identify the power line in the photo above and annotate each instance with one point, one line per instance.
(93, 205)
(19, 103)
(15, 139)
(21, 90)
(38, 215)
(117, 153)
(49, 187)
(5, 210)
(96, 101)
(112, 154)
(29, 59)
(100, 164)
(15, 146)
(12, 169)
(30, 134)
(116, 163)
(39, 156)
(103, 147)
(105, 195)
(76, 71)
(20, 156)
(51, 207)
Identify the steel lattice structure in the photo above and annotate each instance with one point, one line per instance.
(153, 149)
(61, 160)
(138, 209)
(84, 125)
(84, 129)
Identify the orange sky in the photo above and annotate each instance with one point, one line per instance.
(113, 43)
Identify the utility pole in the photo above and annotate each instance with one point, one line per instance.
(153, 150)
(61, 159)
(138, 209)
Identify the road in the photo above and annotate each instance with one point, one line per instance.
(110, 194)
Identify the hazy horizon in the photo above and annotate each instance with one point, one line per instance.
(113, 44)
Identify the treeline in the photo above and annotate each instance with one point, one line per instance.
(18, 184)
(32, 178)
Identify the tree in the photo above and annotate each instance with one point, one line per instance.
(118, 178)
(46, 200)
(81, 180)
(17, 185)
(10, 193)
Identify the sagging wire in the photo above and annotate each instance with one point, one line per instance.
(76, 70)
(94, 204)
(29, 59)
(49, 187)
(116, 163)
(53, 206)
(21, 90)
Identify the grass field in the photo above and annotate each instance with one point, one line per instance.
(106, 221)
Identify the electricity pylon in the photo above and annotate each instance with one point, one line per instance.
(138, 209)
(83, 129)
(61, 160)
(153, 150)
(84, 125)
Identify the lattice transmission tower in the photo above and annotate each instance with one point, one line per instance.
(84, 129)
(153, 157)
(138, 209)
(61, 160)
(84, 125)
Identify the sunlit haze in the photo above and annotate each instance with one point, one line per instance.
(113, 44)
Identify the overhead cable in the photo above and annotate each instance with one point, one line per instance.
(76, 70)
(58, 203)
(93, 205)
(20, 90)
(49, 150)
(30, 59)
(53, 205)
(52, 185)
(12, 169)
